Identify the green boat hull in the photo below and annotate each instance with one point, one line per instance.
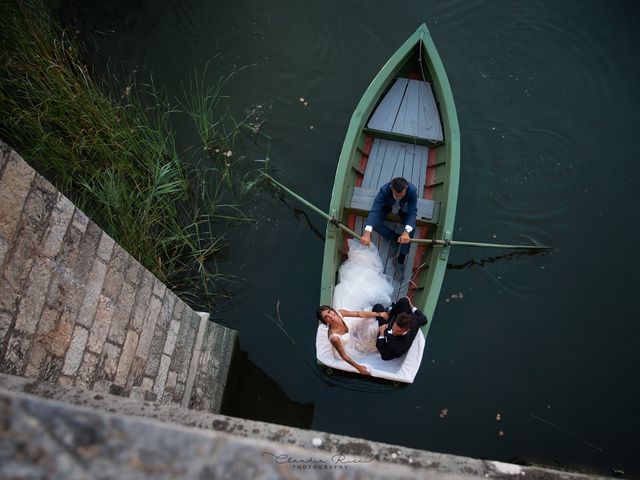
(446, 165)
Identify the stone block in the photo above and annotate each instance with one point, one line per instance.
(49, 318)
(161, 379)
(149, 328)
(6, 319)
(80, 221)
(101, 385)
(16, 354)
(41, 201)
(122, 314)
(160, 335)
(15, 184)
(55, 328)
(52, 368)
(64, 380)
(87, 312)
(136, 373)
(184, 347)
(126, 358)
(172, 337)
(73, 359)
(31, 304)
(147, 383)
(159, 288)
(101, 324)
(133, 270)
(4, 248)
(105, 247)
(116, 273)
(143, 295)
(86, 372)
(57, 228)
(68, 251)
(142, 395)
(109, 361)
(18, 265)
(86, 257)
(37, 357)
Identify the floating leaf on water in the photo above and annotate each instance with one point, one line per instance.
(306, 104)
(444, 412)
(310, 127)
(302, 99)
(460, 295)
(498, 417)
(228, 153)
(501, 433)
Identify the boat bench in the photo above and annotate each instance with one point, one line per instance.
(362, 200)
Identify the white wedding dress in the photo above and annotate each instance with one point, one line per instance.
(362, 284)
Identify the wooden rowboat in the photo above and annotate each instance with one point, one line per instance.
(404, 125)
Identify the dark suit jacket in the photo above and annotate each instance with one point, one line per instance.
(391, 346)
(384, 201)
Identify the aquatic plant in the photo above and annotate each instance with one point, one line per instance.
(116, 156)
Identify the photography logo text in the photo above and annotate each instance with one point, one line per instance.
(336, 462)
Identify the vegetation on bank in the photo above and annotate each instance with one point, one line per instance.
(116, 156)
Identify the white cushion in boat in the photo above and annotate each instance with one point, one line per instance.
(403, 369)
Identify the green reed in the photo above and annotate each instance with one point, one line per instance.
(115, 156)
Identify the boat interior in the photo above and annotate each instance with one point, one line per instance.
(401, 137)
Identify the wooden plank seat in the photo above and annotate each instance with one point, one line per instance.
(362, 199)
(408, 109)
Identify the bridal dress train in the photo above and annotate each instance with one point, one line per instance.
(362, 284)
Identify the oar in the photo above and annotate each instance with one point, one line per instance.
(310, 205)
(443, 243)
(446, 243)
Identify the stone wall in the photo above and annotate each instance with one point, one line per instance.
(70, 432)
(76, 309)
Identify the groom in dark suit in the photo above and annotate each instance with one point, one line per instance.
(396, 333)
(399, 197)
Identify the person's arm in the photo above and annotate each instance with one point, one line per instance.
(386, 352)
(374, 217)
(420, 318)
(337, 344)
(412, 209)
(363, 314)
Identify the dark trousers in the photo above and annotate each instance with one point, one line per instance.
(390, 234)
(403, 305)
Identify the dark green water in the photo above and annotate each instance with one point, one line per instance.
(547, 97)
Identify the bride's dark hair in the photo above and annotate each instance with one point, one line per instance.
(321, 309)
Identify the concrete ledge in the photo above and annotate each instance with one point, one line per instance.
(368, 459)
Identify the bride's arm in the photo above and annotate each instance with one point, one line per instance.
(363, 314)
(337, 344)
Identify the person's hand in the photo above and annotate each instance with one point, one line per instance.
(362, 370)
(384, 315)
(382, 329)
(404, 238)
(366, 239)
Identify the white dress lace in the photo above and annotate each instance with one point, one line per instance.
(362, 284)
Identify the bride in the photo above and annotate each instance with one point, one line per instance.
(352, 326)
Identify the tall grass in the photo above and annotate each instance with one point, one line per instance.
(116, 156)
